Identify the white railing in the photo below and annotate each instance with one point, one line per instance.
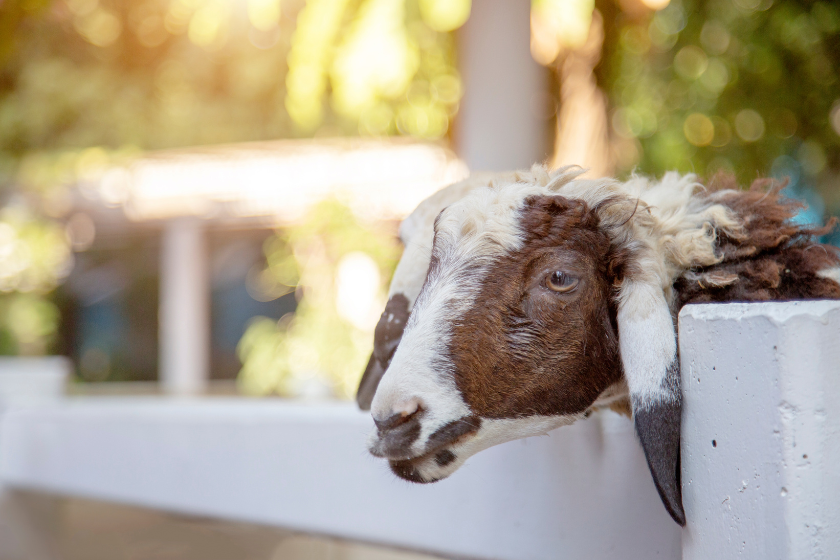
(761, 441)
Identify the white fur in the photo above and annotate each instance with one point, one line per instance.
(417, 233)
(647, 342)
(831, 274)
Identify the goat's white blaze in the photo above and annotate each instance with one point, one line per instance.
(419, 370)
(471, 235)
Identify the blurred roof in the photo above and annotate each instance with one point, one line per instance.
(276, 182)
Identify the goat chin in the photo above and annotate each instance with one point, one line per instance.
(440, 463)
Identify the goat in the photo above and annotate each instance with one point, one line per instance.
(525, 299)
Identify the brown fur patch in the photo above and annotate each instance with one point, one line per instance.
(772, 259)
(622, 407)
(524, 349)
(389, 331)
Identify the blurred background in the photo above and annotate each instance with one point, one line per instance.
(202, 196)
(206, 192)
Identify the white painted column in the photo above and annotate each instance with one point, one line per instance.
(184, 316)
(499, 126)
(761, 430)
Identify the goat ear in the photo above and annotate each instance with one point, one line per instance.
(406, 284)
(370, 381)
(386, 338)
(647, 339)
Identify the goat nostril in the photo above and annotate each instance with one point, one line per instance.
(396, 420)
(407, 408)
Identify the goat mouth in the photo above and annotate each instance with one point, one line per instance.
(411, 469)
(436, 460)
(433, 465)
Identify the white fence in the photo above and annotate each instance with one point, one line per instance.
(761, 441)
(761, 430)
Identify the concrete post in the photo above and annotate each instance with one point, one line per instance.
(499, 126)
(761, 430)
(184, 319)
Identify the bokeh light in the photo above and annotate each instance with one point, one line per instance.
(699, 129)
(557, 25)
(749, 125)
(445, 15)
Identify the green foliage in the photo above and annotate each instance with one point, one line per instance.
(163, 73)
(29, 324)
(69, 86)
(389, 70)
(34, 257)
(327, 260)
(719, 84)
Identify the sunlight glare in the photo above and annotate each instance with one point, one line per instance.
(557, 25)
(357, 290)
(445, 15)
(377, 58)
(264, 14)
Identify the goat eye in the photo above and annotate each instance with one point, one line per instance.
(561, 282)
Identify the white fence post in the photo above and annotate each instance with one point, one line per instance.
(499, 126)
(184, 315)
(761, 430)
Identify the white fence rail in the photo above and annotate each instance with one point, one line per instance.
(761, 441)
